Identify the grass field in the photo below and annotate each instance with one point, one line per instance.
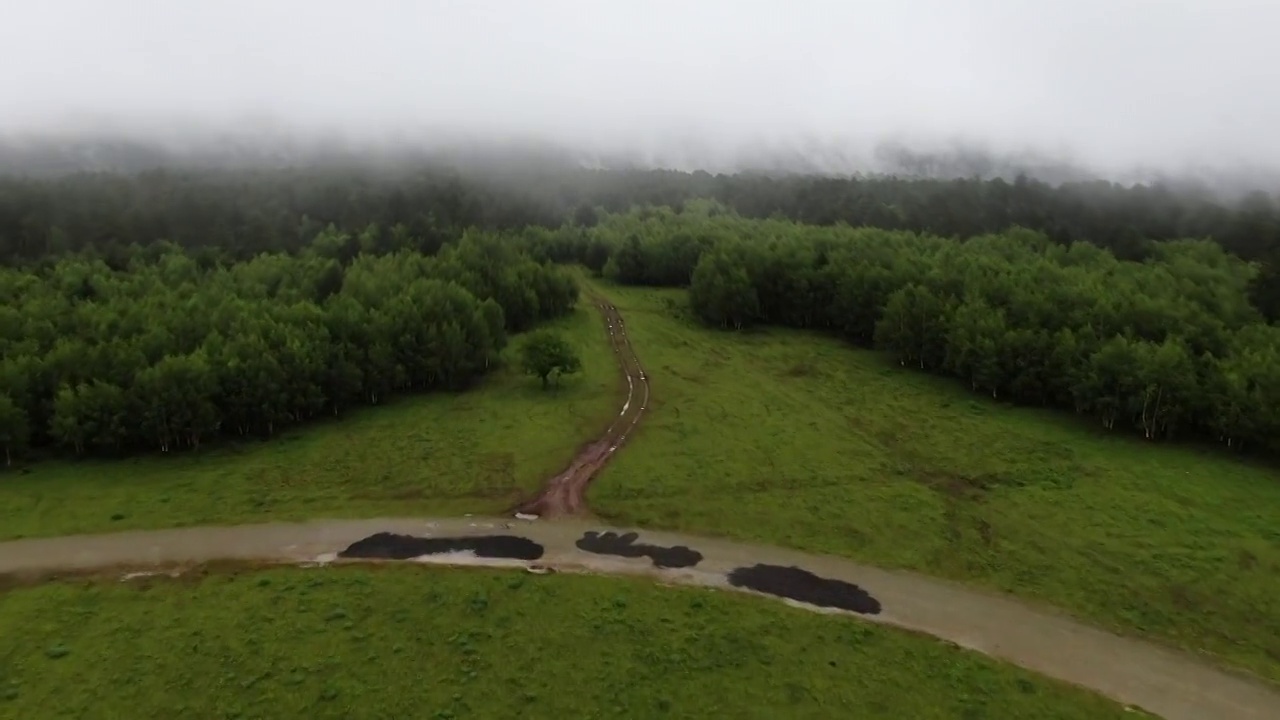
(428, 642)
(475, 451)
(792, 438)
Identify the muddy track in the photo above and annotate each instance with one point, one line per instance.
(565, 494)
(1175, 685)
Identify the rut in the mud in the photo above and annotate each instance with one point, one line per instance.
(390, 546)
(803, 586)
(565, 494)
(625, 545)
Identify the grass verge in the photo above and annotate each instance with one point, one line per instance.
(791, 438)
(477, 451)
(443, 643)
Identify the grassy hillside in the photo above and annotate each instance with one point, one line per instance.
(792, 438)
(476, 451)
(434, 643)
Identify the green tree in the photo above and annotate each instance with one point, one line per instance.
(14, 428)
(722, 293)
(913, 327)
(68, 425)
(547, 355)
(974, 335)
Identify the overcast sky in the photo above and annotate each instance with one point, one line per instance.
(1107, 80)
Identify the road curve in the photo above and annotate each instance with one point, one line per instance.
(565, 494)
(1171, 684)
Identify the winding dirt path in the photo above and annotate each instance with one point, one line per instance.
(565, 494)
(1174, 685)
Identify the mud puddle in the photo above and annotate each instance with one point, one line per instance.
(391, 546)
(625, 545)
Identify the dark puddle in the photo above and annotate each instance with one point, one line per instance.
(625, 545)
(804, 586)
(389, 546)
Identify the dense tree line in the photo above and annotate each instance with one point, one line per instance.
(1166, 347)
(241, 213)
(254, 210)
(168, 352)
(326, 273)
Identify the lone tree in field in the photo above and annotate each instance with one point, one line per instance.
(546, 354)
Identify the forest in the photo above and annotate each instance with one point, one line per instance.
(235, 214)
(172, 351)
(158, 310)
(1167, 347)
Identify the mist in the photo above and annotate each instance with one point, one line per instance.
(1115, 86)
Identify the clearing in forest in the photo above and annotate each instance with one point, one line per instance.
(794, 439)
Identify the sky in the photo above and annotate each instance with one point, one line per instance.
(1103, 81)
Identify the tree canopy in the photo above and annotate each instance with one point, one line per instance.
(547, 355)
(246, 211)
(164, 308)
(170, 352)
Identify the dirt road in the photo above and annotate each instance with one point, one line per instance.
(1171, 684)
(565, 494)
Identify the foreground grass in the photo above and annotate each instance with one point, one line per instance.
(429, 642)
(476, 451)
(795, 439)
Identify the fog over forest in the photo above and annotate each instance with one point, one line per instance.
(1124, 89)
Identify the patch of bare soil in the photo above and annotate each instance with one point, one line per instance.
(565, 494)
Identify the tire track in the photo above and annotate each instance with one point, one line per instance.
(565, 494)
